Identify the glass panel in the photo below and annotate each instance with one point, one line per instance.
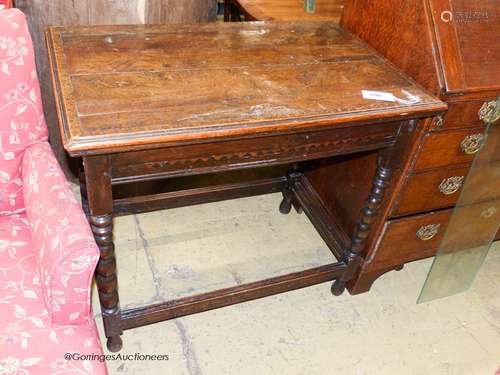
(472, 227)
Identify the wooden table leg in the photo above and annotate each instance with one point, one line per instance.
(388, 161)
(227, 10)
(231, 11)
(368, 213)
(83, 192)
(100, 202)
(288, 196)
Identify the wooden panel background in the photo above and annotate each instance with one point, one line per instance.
(42, 13)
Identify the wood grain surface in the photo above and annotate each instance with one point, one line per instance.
(196, 82)
(42, 14)
(467, 36)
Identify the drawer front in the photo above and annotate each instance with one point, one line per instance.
(428, 191)
(249, 152)
(411, 238)
(462, 115)
(446, 148)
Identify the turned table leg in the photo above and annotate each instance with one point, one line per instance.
(100, 206)
(368, 213)
(289, 200)
(389, 159)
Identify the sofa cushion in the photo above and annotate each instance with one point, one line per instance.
(28, 338)
(21, 115)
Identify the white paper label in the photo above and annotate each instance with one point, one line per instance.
(378, 95)
(388, 97)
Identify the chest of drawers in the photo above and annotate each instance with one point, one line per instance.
(451, 47)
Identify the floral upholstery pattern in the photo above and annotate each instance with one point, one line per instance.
(47, 251)
(21, 114)
(29, 342)
(66, 248)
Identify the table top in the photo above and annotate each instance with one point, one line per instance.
(292, 10)
(119, 88)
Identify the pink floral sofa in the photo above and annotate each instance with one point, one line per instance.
(47, 251)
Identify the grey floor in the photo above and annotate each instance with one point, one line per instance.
(179, 252)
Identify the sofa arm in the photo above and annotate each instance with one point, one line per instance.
(67, 252)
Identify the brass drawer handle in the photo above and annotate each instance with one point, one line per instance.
(490, 112)
(451, 185)
(472, 143)
(428, 232)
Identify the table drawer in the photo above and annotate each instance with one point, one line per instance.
(449, 147)
(431, 190)
(249, 152)
(411, 238)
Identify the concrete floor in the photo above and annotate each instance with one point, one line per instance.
(179, 252)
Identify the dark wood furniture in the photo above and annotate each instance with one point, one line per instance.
(267, 115)
(42, 14)
(451, 47)
(281, 10)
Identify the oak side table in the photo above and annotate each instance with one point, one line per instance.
(142, 103)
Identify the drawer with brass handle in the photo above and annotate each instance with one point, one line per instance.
(445, 148)
(411, 238)
(461, 114)
(431, 190)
